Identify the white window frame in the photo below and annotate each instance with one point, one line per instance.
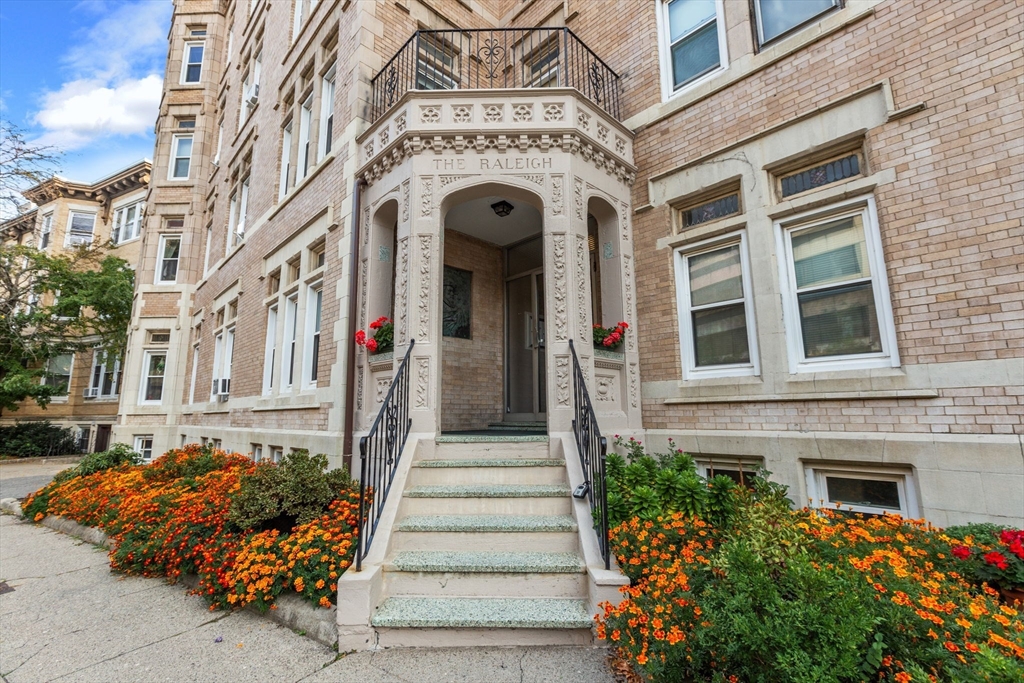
(290, 345)
(71, 219)
(270, 350)
(176, 141)
(160, 259)
(305, 131)
(313, 292)
(798, 362)
(327, 93)
(46, 231)
(140, 446)
(195, 374)
(286, 159)
(120, 217)
(722, 462)
(668, 89)
(185, 64)
(836, 4)
(257, 452)
(60, 398)
(218, 356)
(220, 142)
(243, 209)
(99, 361)
(276, 453)
(687, 351)
(232, 218)
(144, 384)
(817, 487)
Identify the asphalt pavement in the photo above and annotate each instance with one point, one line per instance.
(18, 478)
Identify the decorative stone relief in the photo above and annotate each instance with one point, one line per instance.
(627, 276)
(562, 379)
(383, 253)
(560, 288)
(424, 295)
(585, 365)
(430, 114)
(582, 299)
(605, 390)
(521, 113)
(624, 221)
(602, 132)
(536, 178)
(402, 290)
(383, 384)
(583, 119)
(385, 136)
(360, 381)
(577, 192)
(556, 194)
(401, 123)
(553, 112)
(405, 201)
(632, 385)
(366, 228)
(364, 266)
(422, 382)
(368, 149)
(449, 179)
(620, 145)
(462, 113)
(493, 113)
(426, 196)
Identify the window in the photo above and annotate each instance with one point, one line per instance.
(80, 228)
(837, 170)
(871, 491)
(542, 66)
(223, 356)
(313, 315)
(303, 8)
(220, 142)
(197, 31)
(192, 65)
(47, 229)
(195, 374)
(286, 156)
(740, 470)
(144, 446)
(257, 452)
(835, 294)
(181, 156)
(159, 336)
(276, 453)
(777, 17)
(318, 257)
(270, 350)
(716, 317)
(435, 64)
(127, 223)
(327, 113)
(291, 324)
(232, 216)
(693, 44)
(84, 436)
(154, 366)
(58, 373)
(305, 121)
(243, 207)
(711, 211)
(105, 380)
(187, 123)
(167, 267)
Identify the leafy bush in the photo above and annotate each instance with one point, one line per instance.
(991, 554)
(36, 439)
(115, 456)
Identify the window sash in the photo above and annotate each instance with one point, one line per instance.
(81, 224)
(793, 15)
(827, 497)
(144, 447)
(153, 380)
(327, 91)
(701, 40)
(286, 156)
(305, 121)
(181, 159)
(270, 350)
(291, 323)
(170, 252)
(193, 71)
(58, 373)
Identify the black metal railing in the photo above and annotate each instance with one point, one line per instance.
(379, 452)
(495, 58)
(592, 448)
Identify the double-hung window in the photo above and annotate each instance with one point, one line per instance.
(314, 305)
(57, 373)
(270, 350)
(835, 292)
(220, 142)
(436, 64)
(777, 17)
(154, 365)
(144, 446)
(223, 356)
(243, 208)
(106, 376)
(167, 263)
(541, 66)
(305, 153)
(291, 328)
(693, 40)
(327, 113)
(192, 64)
(127, 223)
(46, 231)
(716, 318)
(181, 157)
(286, 159)
(80, 228)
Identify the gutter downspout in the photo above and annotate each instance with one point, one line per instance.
(350, 372)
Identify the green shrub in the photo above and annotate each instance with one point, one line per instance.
(118, 454)
(36, 439)
(297, 490)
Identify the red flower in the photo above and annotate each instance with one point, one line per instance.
(997, 559)
(361, 338)
(623, 326)
(375, 325)
(608, 341)
(371, 345)
(961, 552)
(1009, 536)
(1017, 548)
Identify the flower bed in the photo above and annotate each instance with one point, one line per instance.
(766, 593)
(179, 516)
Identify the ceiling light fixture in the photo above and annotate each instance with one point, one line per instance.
(502, 208)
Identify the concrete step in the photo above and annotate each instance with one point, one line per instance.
(483, 471)
(494, 532)
(504, 613)
(485, 562)
(488, 523)
(491, 438)
(489, 499)
(489, 450)
(484, 584)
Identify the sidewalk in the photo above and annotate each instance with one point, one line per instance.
(70, 619)
(20, 477)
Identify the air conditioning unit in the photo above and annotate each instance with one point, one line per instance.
(92, 393)
(252, 95)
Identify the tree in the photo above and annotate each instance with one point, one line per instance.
(57, 304)
(22, 165)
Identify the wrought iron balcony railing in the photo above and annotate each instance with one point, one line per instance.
(476, 59)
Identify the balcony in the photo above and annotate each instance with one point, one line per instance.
(482, 59)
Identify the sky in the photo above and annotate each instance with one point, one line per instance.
(84, 76)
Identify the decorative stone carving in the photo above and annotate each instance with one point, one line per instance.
(366, 228)
(522, 113)
(368, 149)
(402, 290)
(422, 382)
(493, 113)
(633, 385)
(535, 178)
(424, 295)
(405, 201)
(605, 390)
(582, 297)
(426, 196)
(602, 132)
(360, 381)
(577, 193)
(430, 114)
(449, 179)
(401, 123)
(562, 380)
(624, 221)
(462, 113)
(557, 191)
(385, 136)
(620, 145)
(363, 267)
(383, 384)
(553, 112)
(627, 276)
(583, 119)
(585, 366)
(561, 331)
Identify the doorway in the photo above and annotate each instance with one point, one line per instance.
(102, 438)
(525, 399)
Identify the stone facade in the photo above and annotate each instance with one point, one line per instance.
(931, 413)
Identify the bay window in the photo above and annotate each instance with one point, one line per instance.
(105, 381)
(80, 228)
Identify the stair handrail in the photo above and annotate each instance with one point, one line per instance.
(593, 450)
(379, 452)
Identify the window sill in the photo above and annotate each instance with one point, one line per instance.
(812, 396)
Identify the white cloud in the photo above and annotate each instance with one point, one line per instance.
(84, 110)
(127, 37)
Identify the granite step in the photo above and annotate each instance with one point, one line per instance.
(485, 562)
(491, 462)
(476, 450)
(491, 438)
(485, 471)
(505, 613)
(487, 498)
(489, 491)
(488, 523)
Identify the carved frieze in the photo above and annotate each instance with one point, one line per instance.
(405, 201)
(424, 282)
(633, 381)
(383, 384)
(402, 290)
(577, 193)
(554, 112)
(537, 178)
(426, 196)
(558, 258)
(422, 382)
(364, 293)
(360, 381)
(627, 276)
(562, 380)
(605, 389)
(557, 191)
(582, 293)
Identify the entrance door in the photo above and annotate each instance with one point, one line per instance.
(102, 438)
(525, 396)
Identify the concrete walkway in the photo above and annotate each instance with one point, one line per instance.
(18, 478)
(70, 619)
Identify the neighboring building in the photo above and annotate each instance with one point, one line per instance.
(809, 213)
(67, 215)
